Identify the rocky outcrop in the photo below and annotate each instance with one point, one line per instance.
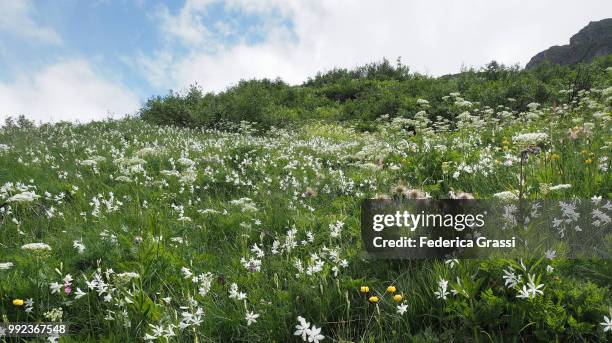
(593, 40)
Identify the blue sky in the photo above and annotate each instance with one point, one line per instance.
(93, 31)
(83, 60)
(115, 35)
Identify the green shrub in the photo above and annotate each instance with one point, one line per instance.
(372, 90)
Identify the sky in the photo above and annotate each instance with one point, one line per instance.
(88, 60)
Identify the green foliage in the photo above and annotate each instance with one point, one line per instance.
(370, 91)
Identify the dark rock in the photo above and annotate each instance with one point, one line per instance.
(593, 40)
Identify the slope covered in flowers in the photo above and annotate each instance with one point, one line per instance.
(131, 232)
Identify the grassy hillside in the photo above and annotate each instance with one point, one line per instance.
(131, 231)
(368, 92)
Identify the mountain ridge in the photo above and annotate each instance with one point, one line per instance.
(591, 41)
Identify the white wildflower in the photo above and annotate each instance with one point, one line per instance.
(36, 246)
(442, 291)
(251, 317)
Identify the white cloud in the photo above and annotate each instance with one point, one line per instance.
(16, 19)
(436, 37)
(155, 69)
(187, 25)
(67, 90)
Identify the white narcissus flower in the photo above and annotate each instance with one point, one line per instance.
(302, 328)
(523, 293)
(511, 279)
(79, 246)
(29, 305)
(531, 290)
(251, 317)
(79, 293)
(55, 287)
(442, 291)
(186, 272)
(235, 294)
(314, 335)
(607, 323)
(149, 337)
(452, 262)
(307, 333)
(157, 331)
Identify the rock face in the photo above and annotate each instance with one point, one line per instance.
(593, 40)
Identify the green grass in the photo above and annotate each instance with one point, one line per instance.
(155, 223)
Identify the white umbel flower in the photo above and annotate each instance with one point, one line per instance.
(23, 197)
(36, 246)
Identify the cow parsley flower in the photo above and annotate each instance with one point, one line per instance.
(531, 138)
(533, 106)
(560, 187)
(23, 197)
(127, 276)
(6, 265)
(54, 314)
(36, 247)
(506, 195)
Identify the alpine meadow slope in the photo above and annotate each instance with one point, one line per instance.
(235, 216)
